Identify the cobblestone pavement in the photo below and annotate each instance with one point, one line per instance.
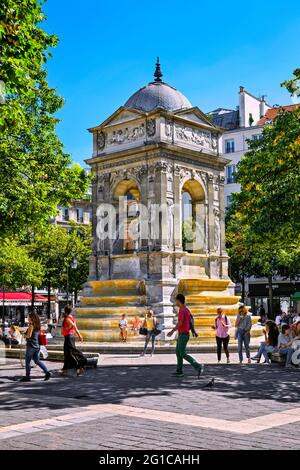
(132, 403)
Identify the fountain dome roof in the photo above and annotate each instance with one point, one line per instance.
(158, 94)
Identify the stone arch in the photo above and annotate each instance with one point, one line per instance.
(128, 221)
(193, 216)
(195, 187)
(124, 186)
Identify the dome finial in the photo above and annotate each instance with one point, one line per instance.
(158, 73)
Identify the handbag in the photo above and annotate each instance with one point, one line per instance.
(44, 352)
(143, 331)
(156, 332)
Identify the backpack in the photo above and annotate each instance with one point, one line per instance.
(226, 320)
(192, 326)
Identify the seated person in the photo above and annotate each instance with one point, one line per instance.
(285, 343)
(3, 332)
(295, 329)
(13, 337)
(271, 333)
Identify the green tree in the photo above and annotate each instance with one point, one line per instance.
(57, 249)
(188, 234)
(81, 240)
(263, 222)
(17, 266)
(36, 174)
(293, 84)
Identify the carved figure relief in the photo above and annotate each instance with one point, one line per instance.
(127, 135)
(151, 127)
(170, 214)
(168, 128)
(214, 141)
(192, 135)
(217, 232)
(100, 141)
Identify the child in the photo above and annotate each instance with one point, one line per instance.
(123, 328)
(136, 325)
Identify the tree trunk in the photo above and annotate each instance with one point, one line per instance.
(270, 282)
(49, 299)
(32, 297)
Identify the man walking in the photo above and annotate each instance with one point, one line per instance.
(183, 327)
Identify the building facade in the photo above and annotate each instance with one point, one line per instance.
(241, 125)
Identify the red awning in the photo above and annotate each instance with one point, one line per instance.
(20, 297)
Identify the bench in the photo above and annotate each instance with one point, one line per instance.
(276, 357)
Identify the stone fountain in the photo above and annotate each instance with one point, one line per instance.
(158, 216)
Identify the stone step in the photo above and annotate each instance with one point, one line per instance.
(190, 286)
(218, 300)
(100, 312)
(118, 286)
(106, 301)
(96, 322)
(211, 310)
(108, 335)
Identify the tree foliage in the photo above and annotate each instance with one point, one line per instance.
(57, 248)
(17, 267)
(263, 222)
(293, 84)
(35, 172)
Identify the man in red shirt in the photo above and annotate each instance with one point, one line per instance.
(183, 327)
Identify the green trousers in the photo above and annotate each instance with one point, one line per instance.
(181, 354)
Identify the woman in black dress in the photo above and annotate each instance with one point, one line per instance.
(73, 358)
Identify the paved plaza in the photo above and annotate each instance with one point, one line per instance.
(135, 403)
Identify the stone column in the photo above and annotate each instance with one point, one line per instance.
(161, 283)
(144, 224)
(177, 210)
(224, 258)
(211, 222)
(222, 214)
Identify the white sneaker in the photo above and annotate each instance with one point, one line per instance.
(219, 362)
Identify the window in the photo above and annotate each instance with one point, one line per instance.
(65, 214)
(256, 137)
(229, 146)
(228, 200)
(79, 215)
(230, 174)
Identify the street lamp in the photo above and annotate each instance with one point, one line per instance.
(73, 265)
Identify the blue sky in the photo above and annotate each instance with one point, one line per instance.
(107, 51)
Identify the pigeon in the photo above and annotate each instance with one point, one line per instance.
(210, 384)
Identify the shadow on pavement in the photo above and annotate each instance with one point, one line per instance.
(142, 386)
